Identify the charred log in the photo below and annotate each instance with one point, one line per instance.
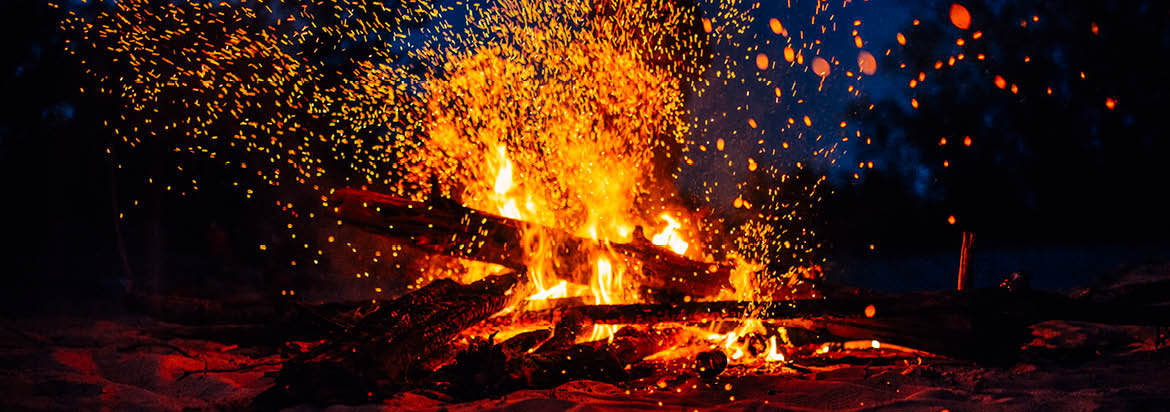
(487, 369)
(445, 227)
(373, 358)
(982, 325)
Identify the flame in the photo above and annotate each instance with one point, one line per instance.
(668, 237)
(555, 292)
(604, 286)
(521, 122)
(773, 355)
(578, 156)
(504, 177)
(603, 282)
(504, 184)
(736, 347)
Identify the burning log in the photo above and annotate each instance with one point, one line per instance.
(983, 324)
(1030, 306)
(488, 369)
(445, 227)
(689, 312)
(380, 351)
(377, 354)
(974, 324)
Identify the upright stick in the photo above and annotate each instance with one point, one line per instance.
(965, 260)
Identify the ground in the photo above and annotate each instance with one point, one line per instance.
(116, 361)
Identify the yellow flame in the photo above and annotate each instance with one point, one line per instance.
(669, 238)
(504, 184)
(504, 177)
(773, 354)
(732, 344)
(603, 285)
(555, 292)
(603, 282)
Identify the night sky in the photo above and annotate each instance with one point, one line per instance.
(1067, 184)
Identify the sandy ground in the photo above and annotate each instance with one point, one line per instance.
(78, 364)
(67, 363)
(114, 363)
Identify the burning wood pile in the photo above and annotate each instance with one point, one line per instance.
(503, 333)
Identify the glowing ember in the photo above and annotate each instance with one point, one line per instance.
(866, 63)
(960, 17)
(777, 27)
(820, 66)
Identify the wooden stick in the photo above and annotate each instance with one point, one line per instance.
(965, 261)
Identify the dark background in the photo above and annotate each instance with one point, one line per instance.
(1058, 184)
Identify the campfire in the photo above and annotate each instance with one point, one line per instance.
(545, 171)
(625, 311)
(522, 175)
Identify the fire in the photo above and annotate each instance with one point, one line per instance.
(567, 115)
(558, 291)
(746, 343)
(668, 237)
(604, 282)
(605, 287)
(773, 355)
(575, 149)
(504, 184)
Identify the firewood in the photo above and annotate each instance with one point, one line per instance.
(374, 357)
(488, 369)
(982, 325)
(445, 227)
